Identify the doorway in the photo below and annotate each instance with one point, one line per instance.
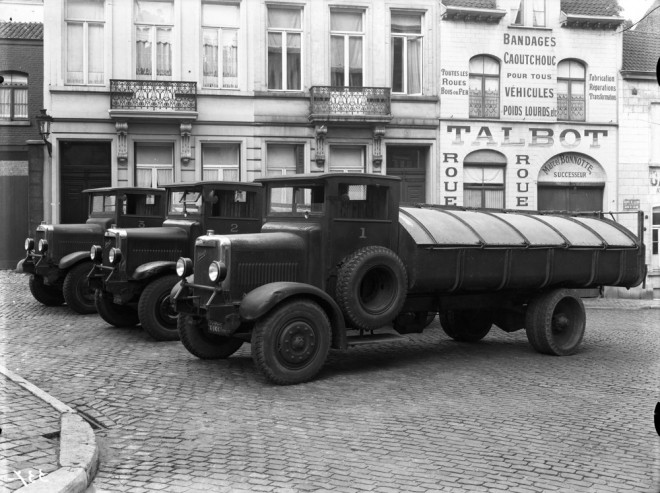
(570, 198)
(409, 163)
(83, 165)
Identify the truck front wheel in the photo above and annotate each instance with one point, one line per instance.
(117, 315)
(76, 289)
(555, 322)
(466, 326)
(199, 342)
(45, 294)
(290, 344)
(156, 313)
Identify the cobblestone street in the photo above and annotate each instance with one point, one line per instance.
(423, 414)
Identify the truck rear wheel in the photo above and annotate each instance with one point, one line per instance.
(77, 293)
(371, 287)
(199, 342)
(466, 326)
(45, 294)
(555, 322)
(290, 344)
(117, 315)
(156, 313)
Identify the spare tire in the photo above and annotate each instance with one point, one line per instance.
(371, 287)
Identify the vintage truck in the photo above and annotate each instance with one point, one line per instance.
(338, 258)
(134, 271)
(57, 258)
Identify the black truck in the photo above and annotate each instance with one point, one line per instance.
(134, 270)
(339, 262)
(57, 258)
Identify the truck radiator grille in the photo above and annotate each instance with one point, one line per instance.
(142, 256)
(204, 255)
(66, 247)
(254, 274)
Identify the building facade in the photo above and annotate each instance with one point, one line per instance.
(639, 131)
(480, 103)
(21, 97)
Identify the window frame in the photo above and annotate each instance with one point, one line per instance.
(12, 88)
(154, 168)
(299, 158)
(284, 32)
(525, 14)
(85, 47)
(220, 168)
(569, 94)
(484, 77)
(220, 29)
(346, 36)
(406, 37)
(153, 27)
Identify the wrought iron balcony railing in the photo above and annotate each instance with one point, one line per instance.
(350, 103)
(153, 95)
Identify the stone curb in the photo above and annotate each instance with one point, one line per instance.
(79, 453)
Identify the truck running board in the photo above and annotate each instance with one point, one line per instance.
(372, 339)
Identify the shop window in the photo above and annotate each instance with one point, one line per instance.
(570, 90)
(284, 49)
(529, 13)
(285, 159)
(484, 87)
(153, 39)
(221, 162)
(483, 180)
(346, 48)
(406, 29)
(347, 159)
(84, 41)
(220, 24)
(154, 164)
(14, 96)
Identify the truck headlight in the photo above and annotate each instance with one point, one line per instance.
(184, 267)
(217, 271)
(96, 254)
(29, 244)
(114, 256)
(43, 246)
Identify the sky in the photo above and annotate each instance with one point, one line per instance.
(634, 9)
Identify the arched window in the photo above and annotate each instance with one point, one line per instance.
(484, 87)
(483, 179)
(14, 96)
(570, 91)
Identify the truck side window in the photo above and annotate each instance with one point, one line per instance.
(296, 201)
(362, 201)
(233, 203)
(141, 205)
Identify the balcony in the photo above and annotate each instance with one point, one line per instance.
(350, 105)
(149, 99)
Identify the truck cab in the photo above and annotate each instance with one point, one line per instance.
(135, 267)
(57, 258)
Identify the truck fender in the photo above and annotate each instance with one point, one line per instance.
(73, 258)
(261, 300)
(151, 269)
(19, 266)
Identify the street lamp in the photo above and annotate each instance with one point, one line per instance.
(43, 121)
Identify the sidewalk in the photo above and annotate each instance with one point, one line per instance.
(45, 446)
(620, 303)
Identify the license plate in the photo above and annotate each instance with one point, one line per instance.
(216, 327)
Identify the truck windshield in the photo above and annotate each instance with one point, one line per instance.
(183, 202)
(103, 204)
(296, 201)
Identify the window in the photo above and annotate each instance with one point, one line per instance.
(153, 39)
(220, 45)
(533, 8)
(285, 159)
(184, 202)
(347, 159)
(154, 164)
(362, 201)
(296, 201)
(346, 49)
(84, 42)
(139, 204)
(284, 49)
(483, 179)
(484, 87)
(14, 96)
(102, 204)
(570, 90)
(234, 203)
(221, 162)
(406, 53)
